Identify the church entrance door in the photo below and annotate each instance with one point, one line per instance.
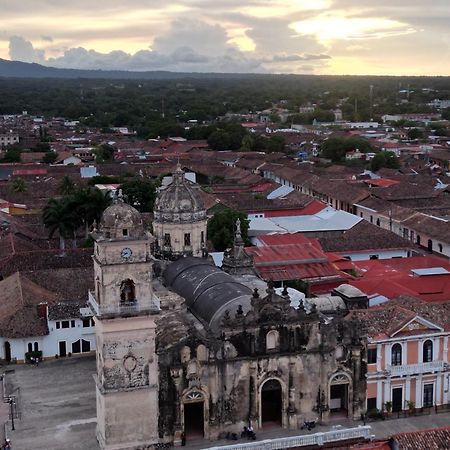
(194, 426)
(271, 404)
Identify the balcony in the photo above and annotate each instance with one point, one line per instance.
(412, 369)
(130, 309)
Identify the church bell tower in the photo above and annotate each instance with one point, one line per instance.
(125, 310)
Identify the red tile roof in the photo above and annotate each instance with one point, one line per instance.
(382, 182)
(393, 277)
(434, 439)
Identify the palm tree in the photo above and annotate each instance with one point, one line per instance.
(90, 204)
(19, 185)
(58, 216)
(67, 186)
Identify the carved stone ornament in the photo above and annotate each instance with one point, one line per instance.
(130, 363)
(194, 395)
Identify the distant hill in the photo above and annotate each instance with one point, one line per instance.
(18, 69)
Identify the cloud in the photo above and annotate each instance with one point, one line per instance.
(204, 38)
(305, 57)
(333, 36)
(23, 50)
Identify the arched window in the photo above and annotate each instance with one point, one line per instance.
(127, 291)
(427, 351)
(396, 356)
(440, 248)
(30, 347)
(272, 340)
(36, 347)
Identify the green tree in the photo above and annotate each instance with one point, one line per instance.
(219, 140)
(336, 148)
(104, 153)
(19, 185)
(446, 114)
(275, 143)
(139, 193)
(49, 157)
(67, 186)
(247, 143)
(222, 226)
(89, 204)
(12, 155)
(384, 159)
(415, 133)
(58, 217)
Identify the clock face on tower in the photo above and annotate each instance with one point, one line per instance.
(126, 253)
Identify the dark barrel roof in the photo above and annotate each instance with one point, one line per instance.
(208, 291)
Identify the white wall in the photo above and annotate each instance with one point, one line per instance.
(382, 254)
(69, 335)
(49, 345)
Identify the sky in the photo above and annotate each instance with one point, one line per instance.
(383, 37)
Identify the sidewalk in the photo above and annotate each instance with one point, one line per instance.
(381, 429)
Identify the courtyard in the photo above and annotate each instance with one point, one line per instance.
(56, 406)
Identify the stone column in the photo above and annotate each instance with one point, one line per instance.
(177, 377)
(292, 410)
(253, 395)
(357, 384)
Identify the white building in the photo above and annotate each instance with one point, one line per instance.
(32, 320)
(8, 139)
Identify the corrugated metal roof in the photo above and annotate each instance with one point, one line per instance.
(297, 271)
(280, 192)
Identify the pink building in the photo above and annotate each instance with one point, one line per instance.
(407, 354)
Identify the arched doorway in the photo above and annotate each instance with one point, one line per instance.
(7, 351)
(194, 416)
(271, 404)
(339, 394)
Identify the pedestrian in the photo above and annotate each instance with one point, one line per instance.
(183, 439)
(7, 444)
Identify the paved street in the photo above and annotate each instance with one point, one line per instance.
(57, 405)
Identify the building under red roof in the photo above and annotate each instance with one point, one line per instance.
(423, 277)
(310, 209)
(381, 182)
(305, 261)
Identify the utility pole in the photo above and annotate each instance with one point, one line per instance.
(163, 114)
(371, 101)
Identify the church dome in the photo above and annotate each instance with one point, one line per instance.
(121, 221)
(180, 202)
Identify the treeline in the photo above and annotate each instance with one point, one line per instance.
(161, 107)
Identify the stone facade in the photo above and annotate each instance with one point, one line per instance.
(180, 219)
(213, 355)
(273, 365)
(125, 306)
